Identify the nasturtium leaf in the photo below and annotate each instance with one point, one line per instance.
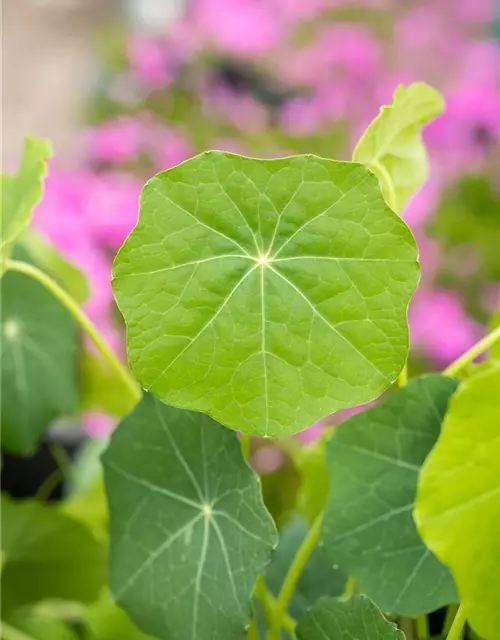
(319, 578)
(458, 502)
(392, 145)
(189, 531)
(38, 363)
(47, 258)
(374, 459)
(267, 293)
(20, 193)
(359, 617)
(47, 555)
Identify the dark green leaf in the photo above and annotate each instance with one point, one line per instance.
(39, 356)
(47, 555)
(355, 619)
(267, 293)
(189, 532)
(374, 459)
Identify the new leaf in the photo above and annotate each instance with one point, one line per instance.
(267, 293)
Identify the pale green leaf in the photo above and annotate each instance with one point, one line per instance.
(392, 146)
(38, 365)
(20, 193)
(374, 459)
(47, 555)
(108, 622)
(319, 577)
(458, 502)
(267, 293)
(331, 619)
(36, 625)
(189, 531)
(47, 258)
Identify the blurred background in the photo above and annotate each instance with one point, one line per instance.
(126, 88)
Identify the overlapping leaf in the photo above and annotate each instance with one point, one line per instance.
(189, 532)
(374, 459)
(267, 293)
(38, 366)
(392, 145)
(358, 617)
(47, 555)
(458, 502)
(20, 193)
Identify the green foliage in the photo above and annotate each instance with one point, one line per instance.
(47, 258)
(106, 621)
(331, 619)
(38, 366)
(47, 555)
(187, 523)
(267, 293)
(319, 577)
(20, 193)
(36, 625)
(374, 459)
(392, 146)
(458, 502)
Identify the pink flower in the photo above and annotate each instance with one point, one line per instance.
(149, 62)
(99, 425)
(440, 327)
(116, 141)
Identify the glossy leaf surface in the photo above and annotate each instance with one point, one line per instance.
(267, 293)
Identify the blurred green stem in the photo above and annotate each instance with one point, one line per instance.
(85, 323)
(403, 377)
(246, 441)
(458, 625)
(10, 633)
(422, 628)
(469, 356)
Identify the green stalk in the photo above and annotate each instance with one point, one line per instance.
(292, 577)
(476, 350)
(458, 625)
(85, 323)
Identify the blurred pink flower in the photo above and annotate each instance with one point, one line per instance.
(116, 141)
(149, 62)
(99, 425)
(169, 147)
(440, 327)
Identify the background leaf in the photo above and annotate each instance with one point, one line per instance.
(374, 459)
(47, 555)
(392, 146)
(20, 193)
(267, 293)
(36, 625)
(38, 366)
(458, 502)
(189, 532)
(358, 617)
(108, 622)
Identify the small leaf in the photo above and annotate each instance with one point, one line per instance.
(189, 532)
(101, 389)
(319, 577)
(458, 501)
(374, 459)
(47, 555)
(38, 366)
(20, 193)
(267, 293)
(47, 258)
(358, 617)
(392, 145)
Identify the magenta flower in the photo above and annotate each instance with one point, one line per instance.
(116, 141)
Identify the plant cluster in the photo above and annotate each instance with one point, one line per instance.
(259, 297)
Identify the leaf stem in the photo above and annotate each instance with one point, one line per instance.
(10, 633)
(83, 320)
(292, 577)
(476, 350)
(458, 625)
(245, 440)
(423, 627)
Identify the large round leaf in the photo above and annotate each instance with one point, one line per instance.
(458, 502)
(267, 293)
(39, 354)
(47, 555)
(374, 459)
(331, 619)
(189, 532)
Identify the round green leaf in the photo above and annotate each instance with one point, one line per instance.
(458, 503)
(392, 145)
(47, 555)
(189, 532)
(374, 459)
(331, 619)
(38, 366)
(267, 293)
